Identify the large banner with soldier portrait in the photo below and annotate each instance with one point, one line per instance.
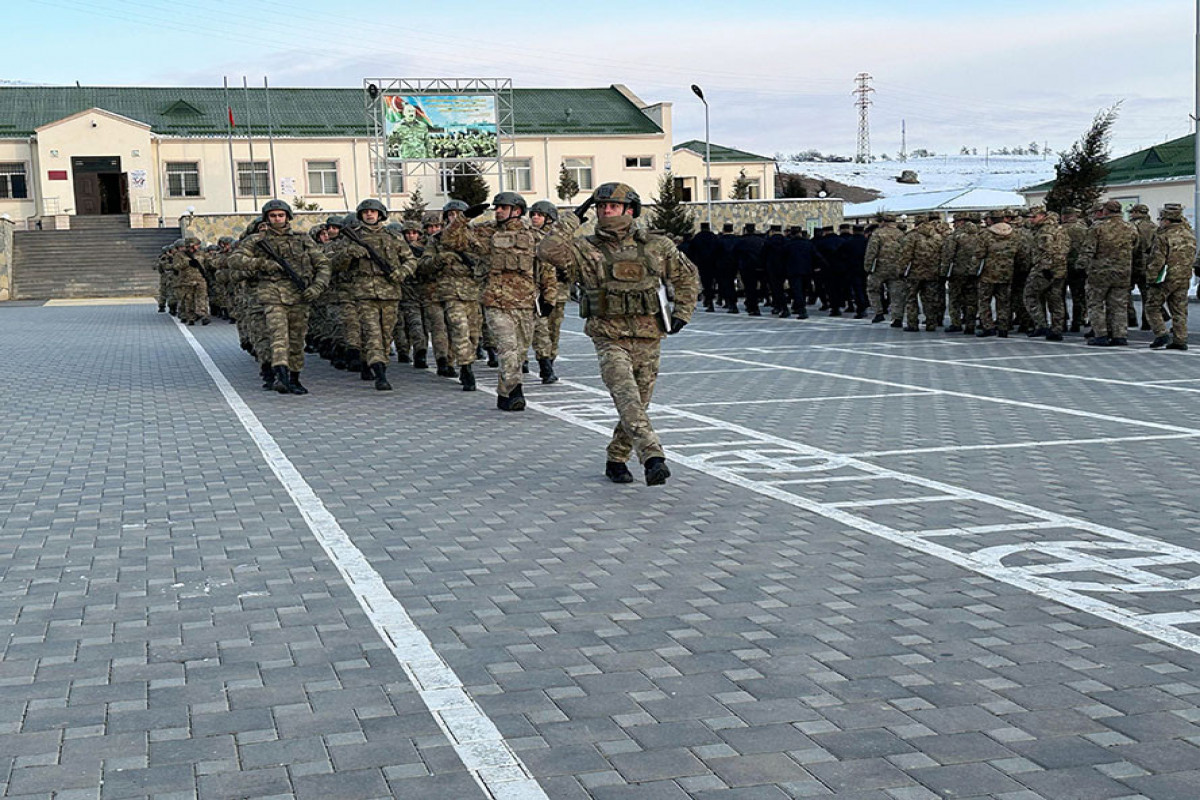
(440, 127)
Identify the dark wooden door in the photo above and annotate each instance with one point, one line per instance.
(87, 193)
(124, 192)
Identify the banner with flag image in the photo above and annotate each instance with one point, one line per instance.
(440, 126)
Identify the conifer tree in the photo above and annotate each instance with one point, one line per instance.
(415, 210)
(1082, 169)
(741, 187)
(567, 187)
(469, 186)
(670, 215)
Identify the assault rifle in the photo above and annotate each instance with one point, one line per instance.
(273, 254)
(874, 264)
(353, 236)
(982, 264)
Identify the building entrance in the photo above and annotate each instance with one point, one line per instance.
(100, 185)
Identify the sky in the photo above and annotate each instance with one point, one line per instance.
(778, 76)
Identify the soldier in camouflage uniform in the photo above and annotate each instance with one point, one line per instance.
(432, 310)
(411, 335)
(285, 305)
(375, 286)
(457, 279)
(883, 267)
(960, 262)
(166, 290)
(1044, 286)
(620, 269)
(191, 289)
(920, 253)
(1139, 217)
(1019, 218)
(546, 330)
(515, 280)
(1110, 251)
(1001, 251)
(1171, 256)
(1076, 272)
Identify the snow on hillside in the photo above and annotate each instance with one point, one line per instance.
(1006, 173)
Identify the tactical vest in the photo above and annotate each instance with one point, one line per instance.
(512, 251)
(630, 287)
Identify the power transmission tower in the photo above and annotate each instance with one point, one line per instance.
(904, 140)
(863, 90)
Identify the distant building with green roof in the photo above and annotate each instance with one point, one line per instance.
(1160, 174)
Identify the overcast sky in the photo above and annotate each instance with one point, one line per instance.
(778, 75)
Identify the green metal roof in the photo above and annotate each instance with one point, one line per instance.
(191, 111)
(1173, 160)
(720, 153)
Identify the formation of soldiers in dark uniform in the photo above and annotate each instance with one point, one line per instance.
(355, 286)
(1025, 269)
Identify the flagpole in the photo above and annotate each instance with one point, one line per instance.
(270, 134)
(229, 127)
(250, 142)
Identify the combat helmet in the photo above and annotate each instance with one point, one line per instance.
(371, 204)
(177, 243)
(453, 205)
(411, 225)
(394, 227)
(510, 199)
(546, 209)
(618, 193)
(335, 222)
(276, 205)
(229, 240)
(188, 241)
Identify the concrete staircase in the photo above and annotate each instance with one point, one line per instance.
(100, 256)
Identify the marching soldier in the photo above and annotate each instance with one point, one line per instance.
(191, 288)
(457, 278)
(546, 330)
(621, 269)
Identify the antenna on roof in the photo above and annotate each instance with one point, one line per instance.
(77, 85)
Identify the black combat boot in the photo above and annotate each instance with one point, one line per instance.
(969, 330)
(617, 472)
(1099, 341)
(911, 329)
(954, 329)
(419, 361)
(310, 347)
(1002, 334)
(338, 358)
(466, 376)
(1053, 336)
(897, 323)
(877, 318)
(444, 370)
(297, 388)
(1118, 341)
(379, 371)
(268, 375)
(353, 359)
(1075, 326)
(656, 471)
(282, 382)
(402, 356)
(1177, 346)
(479, 355)
(365, 373)
(1160, 342)
(546, 370)
(525, 367)
(492, 361)
(802, 313)
(161, 308)
(502, 403)
(516, 399)
(983, 333)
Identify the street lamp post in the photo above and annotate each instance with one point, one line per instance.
(707, 155)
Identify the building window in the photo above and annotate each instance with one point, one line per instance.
(753, 189)
(253, 178)
(389, 180)
(183, 179)
(713, 187)
(448, 171)
(639, 162)
(13, 185)
(518, 175)
(580, 169)
(322, 177)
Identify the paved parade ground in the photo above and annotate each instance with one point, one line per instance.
(887, 565)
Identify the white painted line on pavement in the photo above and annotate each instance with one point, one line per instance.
(1019, 445)
(801, 399)
(493, 764)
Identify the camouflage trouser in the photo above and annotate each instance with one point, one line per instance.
(1108, 297)
(1137, 281)
(1176, 298)
(1017, 291)
(546, 331)
(286, 326)
(927, 292)
(964, 301)
(629, 368)
(1077, 283)
(462, 323)
(344, 324)
(165, 293)
(377, 319)
(513, 329)
(1001, 292)
(1042, 294)
(410, 333)
(435, 323)
(895, 290)
(193, 301)
(484, 331)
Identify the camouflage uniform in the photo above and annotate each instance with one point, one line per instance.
(191, 289)
(921, 252)
(166, 276)
(375, 293)
(883, 266)
(1109, 252)
(457, 278)
(1076, 271)
(619, 269)
(514, 280)
(1169, 275)
(1021, 268)
(1044, 286)
(960, 263)
(1139, 217)
(284, 308)
(1001, 250)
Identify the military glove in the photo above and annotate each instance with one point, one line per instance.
(545, 306)
(1048, 274)
(357, 251)
(677, 324)
(582, 210)
(311, 293)
(475, 210)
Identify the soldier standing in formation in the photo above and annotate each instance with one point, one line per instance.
(620, 269)
(1171, 255)
(884, 272)
(1044, 286)
(1109, 250)
(1001, 254)
(921, 252)
(960, 263)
